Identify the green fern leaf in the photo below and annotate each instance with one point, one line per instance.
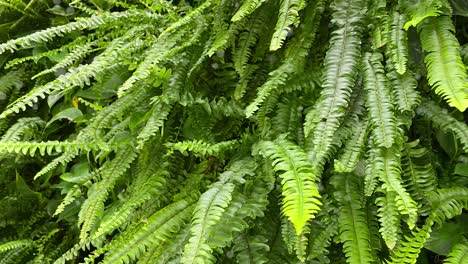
(208, 212)
(159, 228)
(404, 90)
(288, 16)
(399, 43)
(339, 78)
(251, 249)
(458, 254)
(94, 205)
(388, 218)
(446, 71)
(352, 222)
(353, 147)
(300, 193)
(379, 101)
(387, 165)
(444, 121)
(247, 8)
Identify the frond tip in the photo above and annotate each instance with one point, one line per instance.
(300, 192)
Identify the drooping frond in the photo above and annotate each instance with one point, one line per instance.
(207, 213)
(388, 218)
(296, 55)
(94, 205)
(352, 222)
(446, 72)
(398, 43)
(419, 10)
(85, 23)
(419, 176)
(458, 254)
(300, 193)
(323, 229)
(251, 249)
(353, 148)
(378, 101)
(408, 250)
(288, 16)
(447, 203)
(159, 227)
(442, 120)
(247, 8)
(339, 78)
(403, 89)
(386, 164)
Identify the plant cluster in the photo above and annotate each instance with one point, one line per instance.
(233, 131)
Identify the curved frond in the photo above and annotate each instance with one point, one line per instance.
(208, 212)
(339, 78)
(300, 193)
(378, 101)
(444, 121)
(399, 43)
(352, 221)
(445, 69)
(288, 16)
(458, 254)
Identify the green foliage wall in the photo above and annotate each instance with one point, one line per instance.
(254, 131)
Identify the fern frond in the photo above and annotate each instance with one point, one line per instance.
(444, 121)
(110, 173)
(288, 120)
(63, 159)
(447, 203)
(251, 249)
(418, 12)
(388, 218)
(170, 250)
(378, 101)
(419, 177)
(352, 222)
(200, 148)
(159, 227)
(152, 186)
(339, 78)
(45, 147)
(70, 197)
(247, 8)
(288, 16)
(404, 90)
(445, 69)
(387, 167)
(76, 76)
(84, 23)
(15, 244)
(247, 40)
(155, 122)
(22, 128)
(353, 147)
(399, 43)
(458, 254)
(208, 212)
(408, 251)
(296, 55)
(300, 193)
(11, 80)
(73, 57)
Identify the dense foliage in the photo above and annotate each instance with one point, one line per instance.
(240, 131)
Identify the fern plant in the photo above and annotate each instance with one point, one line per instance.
(245, 131)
